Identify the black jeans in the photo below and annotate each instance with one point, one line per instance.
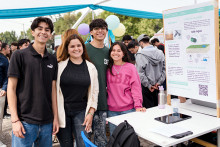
(74, 121)
(150, 99)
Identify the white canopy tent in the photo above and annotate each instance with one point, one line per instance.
(136, 8)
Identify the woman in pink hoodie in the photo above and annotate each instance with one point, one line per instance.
(123, 84)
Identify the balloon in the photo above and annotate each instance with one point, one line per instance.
(119, 31)
(112, 21)
(83, 29)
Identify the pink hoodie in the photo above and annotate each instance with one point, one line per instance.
(124, 89)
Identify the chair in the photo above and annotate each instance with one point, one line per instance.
(87, 142)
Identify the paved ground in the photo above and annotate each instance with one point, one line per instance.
(5, 136)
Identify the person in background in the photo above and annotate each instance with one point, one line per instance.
(23, 43)
(150, 64)
(158, 44)
(14, 46)
(133, 47)
(123, 84)
(66, 34)
(126, 40)
(77, 92)
(55, 50)
(7, 52)
(3, 84)
(98, 54)
(31, 90)
(6, 48)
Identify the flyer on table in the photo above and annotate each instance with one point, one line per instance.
(190, 51)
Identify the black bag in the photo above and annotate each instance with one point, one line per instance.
(124, 136)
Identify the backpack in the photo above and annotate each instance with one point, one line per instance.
(124, 136)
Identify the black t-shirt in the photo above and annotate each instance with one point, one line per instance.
(74, 83)
(35, 75)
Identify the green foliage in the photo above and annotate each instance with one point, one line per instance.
(29, 34)
(136, 26)
(64, 23)
(8, 37)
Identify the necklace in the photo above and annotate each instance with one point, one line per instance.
(117, 71)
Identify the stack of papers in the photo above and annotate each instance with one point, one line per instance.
(169, 130)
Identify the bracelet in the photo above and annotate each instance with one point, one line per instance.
(15, 121)
(91, 114)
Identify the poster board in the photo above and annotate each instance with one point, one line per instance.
(192, 51)
(57, 39)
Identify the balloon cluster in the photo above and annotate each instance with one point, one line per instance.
(113, 22)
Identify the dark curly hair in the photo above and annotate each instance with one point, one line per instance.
(98, 23)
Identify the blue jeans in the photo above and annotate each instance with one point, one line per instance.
(74, 121)
(37, 135)
(99, 124)
(116, 113)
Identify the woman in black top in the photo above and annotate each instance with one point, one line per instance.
(76, 93)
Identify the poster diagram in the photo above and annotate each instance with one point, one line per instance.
(190, 51)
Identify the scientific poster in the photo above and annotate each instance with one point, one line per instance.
(190, 51)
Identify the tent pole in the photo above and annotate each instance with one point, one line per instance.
(92, 14)
(160, 31)
(81, 18)
(85, 14)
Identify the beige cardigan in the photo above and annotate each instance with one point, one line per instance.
(93, 91)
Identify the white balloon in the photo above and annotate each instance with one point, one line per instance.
(120, 30)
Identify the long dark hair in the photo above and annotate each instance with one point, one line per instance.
(64, 55)
(126, 57)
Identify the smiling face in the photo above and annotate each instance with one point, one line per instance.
(116, 53)
(75, 49)
(99, 33)
(42, 33)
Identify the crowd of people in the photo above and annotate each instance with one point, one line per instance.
(79, 87)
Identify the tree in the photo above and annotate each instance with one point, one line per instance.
(8, 37)
(64, 23)
(29, 34)
(136, 26)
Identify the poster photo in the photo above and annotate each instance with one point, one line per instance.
(190, 51)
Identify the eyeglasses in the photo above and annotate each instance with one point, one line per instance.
(102, 28)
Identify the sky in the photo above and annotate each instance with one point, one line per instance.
(23, 24)
(16, 25)
(19, 25)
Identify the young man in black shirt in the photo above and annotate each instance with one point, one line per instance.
(32, 90)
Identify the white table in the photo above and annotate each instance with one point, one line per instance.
(199, 124)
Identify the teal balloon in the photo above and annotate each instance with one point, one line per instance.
(112, 21)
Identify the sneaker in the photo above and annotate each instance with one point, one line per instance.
(2, 145)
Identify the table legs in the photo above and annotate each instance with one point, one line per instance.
(218, 137)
